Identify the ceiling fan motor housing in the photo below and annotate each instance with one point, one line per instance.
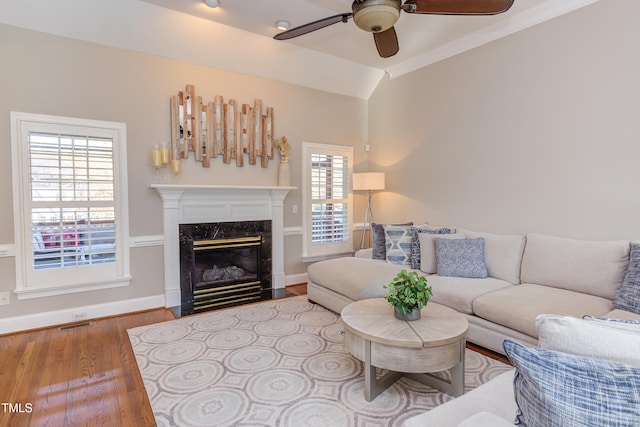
(376, 15)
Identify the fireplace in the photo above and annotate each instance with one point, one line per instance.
(224, 264)
(207, 204)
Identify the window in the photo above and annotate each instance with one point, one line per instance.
(327, 200)
(70, 210)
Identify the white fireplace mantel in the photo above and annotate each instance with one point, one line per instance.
(194, 204)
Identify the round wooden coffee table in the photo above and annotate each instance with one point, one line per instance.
(416, 348)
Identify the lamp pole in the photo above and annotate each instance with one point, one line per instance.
(368, 219)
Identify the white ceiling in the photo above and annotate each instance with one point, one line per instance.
(417, 34)
(340, 58)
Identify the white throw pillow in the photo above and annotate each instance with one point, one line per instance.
(428, 261)
(590, 337)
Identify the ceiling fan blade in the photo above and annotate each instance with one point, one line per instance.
(312, 26)
(387, 42)
(457, 7)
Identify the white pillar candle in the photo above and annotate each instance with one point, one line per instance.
(156, 157)
(175, 166)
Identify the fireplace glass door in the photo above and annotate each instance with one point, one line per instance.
(225, 270)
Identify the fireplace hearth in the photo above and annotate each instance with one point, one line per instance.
(224, 264)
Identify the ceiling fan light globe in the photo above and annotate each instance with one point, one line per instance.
(376, 15)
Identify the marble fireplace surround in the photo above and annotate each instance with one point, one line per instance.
(196, 204)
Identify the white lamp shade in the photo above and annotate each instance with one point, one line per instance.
(368, 181)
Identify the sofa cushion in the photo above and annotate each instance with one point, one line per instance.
(415, 241)
(379, 240)
(398, 243)
(461, 258)
(502, 254)
(517, 307)
(550, 386)
(459, 293)
(591, 267)
(628, 296)
(428, 261)
(617, 341)
(355, 278)
(621, 314)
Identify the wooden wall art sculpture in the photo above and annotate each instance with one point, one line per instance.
(220, 129)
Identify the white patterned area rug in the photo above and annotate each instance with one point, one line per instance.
(277, 363)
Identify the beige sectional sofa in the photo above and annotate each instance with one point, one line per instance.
(527, 276)
(536, 291)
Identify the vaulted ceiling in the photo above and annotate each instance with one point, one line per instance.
(237, 36)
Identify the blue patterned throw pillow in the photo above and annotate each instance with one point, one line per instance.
(461, 258)
(379, 240)
(398, 243)
(415, 241)
(628, 296)
(552, 388)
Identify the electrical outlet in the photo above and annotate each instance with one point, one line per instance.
(294, 209)
(81, 315)
(5, 298)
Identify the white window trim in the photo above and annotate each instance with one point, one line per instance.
(123, 276)
(330, 250)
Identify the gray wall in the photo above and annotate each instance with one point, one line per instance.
(535, 132)
(46, 74)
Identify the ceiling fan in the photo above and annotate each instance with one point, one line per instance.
(379, 17)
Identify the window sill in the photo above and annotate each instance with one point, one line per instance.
(24, 294)
(314, 258)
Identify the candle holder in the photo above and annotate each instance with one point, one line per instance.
(160, 161)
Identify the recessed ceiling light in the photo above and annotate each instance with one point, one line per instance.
(211, 3)
(283, 25)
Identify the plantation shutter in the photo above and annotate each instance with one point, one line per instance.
(70, 204)
(72, 199)
(329, 205)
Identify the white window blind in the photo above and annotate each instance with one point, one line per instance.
(328, 199)
(329, 192)
(72, 200)
(70, 205)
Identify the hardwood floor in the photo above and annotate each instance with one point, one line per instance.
(300, 289)
(492, 354)
(84, 375)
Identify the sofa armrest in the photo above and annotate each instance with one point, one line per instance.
(495, 396)
(364, 253)
(485, 419)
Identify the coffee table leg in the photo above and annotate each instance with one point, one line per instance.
(455, 387)
(372, 386)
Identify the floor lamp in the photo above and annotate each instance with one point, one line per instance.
(367, 181)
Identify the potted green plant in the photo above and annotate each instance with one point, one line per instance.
(408, 293)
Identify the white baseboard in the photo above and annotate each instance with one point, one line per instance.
(295, 279)
(10, 325)
(50, 318)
